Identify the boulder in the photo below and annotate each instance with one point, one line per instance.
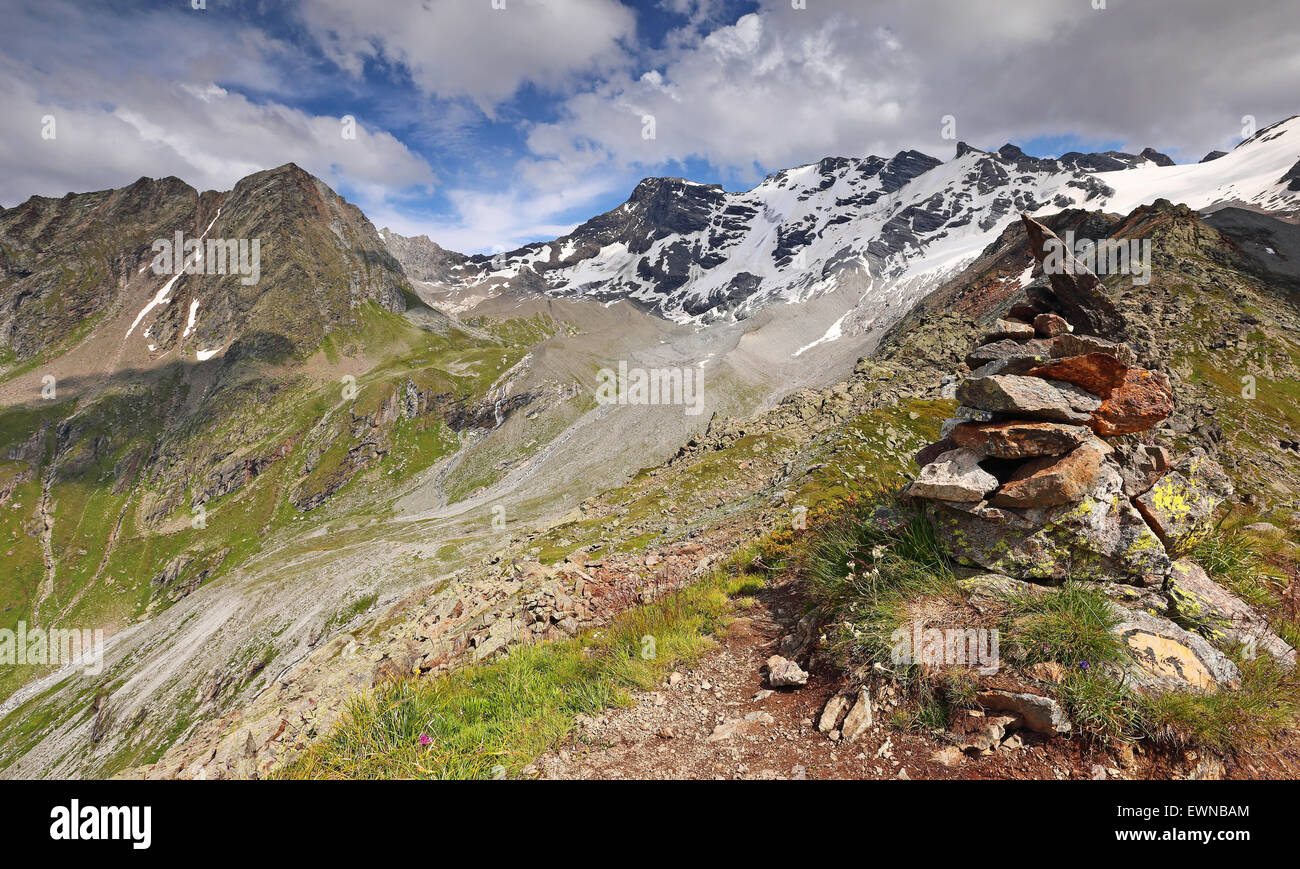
(1019, 440)
(1101, 538)
(1031, 397)
(1098, 373)
(1265, 531)
(1081, 345)
(1008, 329)
(1053, 480)
(784, 673)
(1180, 504)
(1139, 403)
(1040, 714)
(1051, 325)
(859, 719)
(1141, 466)
(1166, 657)
(954, 476)
(1202, 605)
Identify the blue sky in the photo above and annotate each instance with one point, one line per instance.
(486, 127)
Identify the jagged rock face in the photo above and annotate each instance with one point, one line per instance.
(68, 260)
(62, 261)
(423, 259)
(322, 259)
(691, 250)
(1292, 177)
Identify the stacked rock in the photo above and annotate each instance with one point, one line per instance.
(1033, 477)
(1042, 476)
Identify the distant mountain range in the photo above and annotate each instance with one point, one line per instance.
(693, 251)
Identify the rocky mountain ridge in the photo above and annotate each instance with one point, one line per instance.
(696, 252)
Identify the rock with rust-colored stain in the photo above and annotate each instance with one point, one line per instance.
(1099, 373)
(1052, 480)
(1019, 440)
(1139, 403)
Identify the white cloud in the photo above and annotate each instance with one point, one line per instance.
(470, 48)
(164, 115)
(784, 86)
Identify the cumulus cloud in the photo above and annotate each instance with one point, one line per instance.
(785, 85)
(484, 50)
(164, 115)
(538, 114)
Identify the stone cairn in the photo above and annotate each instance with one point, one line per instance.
(1042, 475)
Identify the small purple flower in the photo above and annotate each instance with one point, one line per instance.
(425, 739)
(1084, 664)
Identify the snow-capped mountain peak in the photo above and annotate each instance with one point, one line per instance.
(693, 251)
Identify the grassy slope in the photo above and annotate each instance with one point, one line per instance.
(258, 411)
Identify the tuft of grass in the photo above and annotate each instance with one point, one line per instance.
(1233, 559)
(491, 719)
(1253, 569)
(865, 564)
(1072, 625)
(1230, 720)
(1100, 706)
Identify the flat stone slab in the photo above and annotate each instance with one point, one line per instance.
(1041, 714)
(954, 476)
(1081, 345)
(1167, 657)
(1031, 397)
(1030, 353)
(1020, 440)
